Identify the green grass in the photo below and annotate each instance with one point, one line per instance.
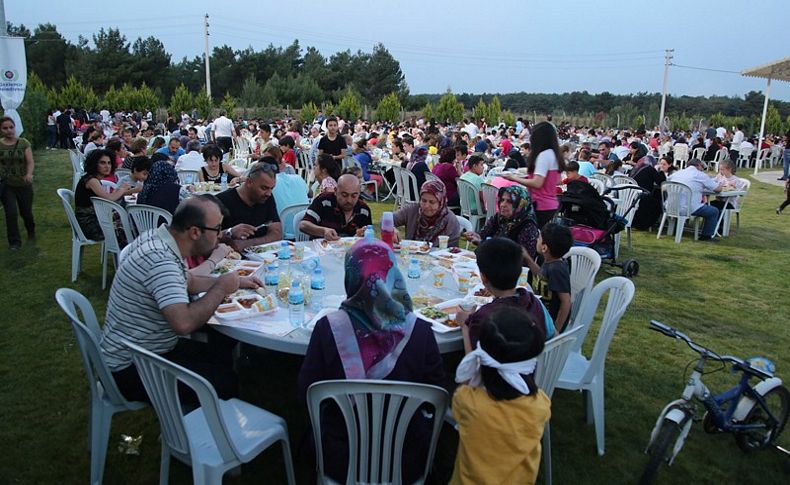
(731, 296)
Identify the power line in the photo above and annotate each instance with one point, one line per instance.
(704, 69)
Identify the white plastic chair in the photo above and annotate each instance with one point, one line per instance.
(677, 204)
(304, 164)
(599, 185)
(108, 186)
(411, 194)
(726, 215)
(429, 176)
(189, 177)
(627, 196)
(698, 153)
(582, 374)
(397, 172)
(146, 217)
(763, 157)
(106, 399)
(607, 180)
(77, 159)
(214, 438)
(466, 226)
(547, 371)
(722, 154)
(623, 180)
(744, 155)
(298, 234)
(490, 194)
(78, 239)
(287, 219)
(584, 265)
(680, 154)
(122, 172)
(777, 152)
(467, 193)
(377, 414)
(104, 213)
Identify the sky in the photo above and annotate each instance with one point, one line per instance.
(476, 46)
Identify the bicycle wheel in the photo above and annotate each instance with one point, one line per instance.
(778, 401)
(660, 449)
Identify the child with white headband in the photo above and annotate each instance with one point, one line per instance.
(499, 410)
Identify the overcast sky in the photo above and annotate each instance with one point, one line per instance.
(475, 46)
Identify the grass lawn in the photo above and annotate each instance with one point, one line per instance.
(731, 296)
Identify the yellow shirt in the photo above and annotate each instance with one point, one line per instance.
(499, 440)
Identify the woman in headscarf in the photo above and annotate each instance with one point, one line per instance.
(161, 188)
(515, 220)
(417, 164)
(430, 218)
(448, 170)
(374, 335)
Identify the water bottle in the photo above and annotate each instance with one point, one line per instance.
(223, 181)
(285, 251)
(317, 287)
(296, 305)
(387, 228)
(271, 278)
(370, 234)
(414, 269)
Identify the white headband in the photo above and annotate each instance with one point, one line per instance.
(469, 369)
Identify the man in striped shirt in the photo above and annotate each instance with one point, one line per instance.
(149, 301)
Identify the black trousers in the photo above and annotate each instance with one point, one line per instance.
(65, 139)
(213, 361)
(17, 201)
(225, 143)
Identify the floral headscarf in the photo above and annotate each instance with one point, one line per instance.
(523, 211)
(418, 155)
(377, 319)
(160, 175)
(429, 228)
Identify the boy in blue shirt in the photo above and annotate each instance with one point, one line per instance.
(552, 280)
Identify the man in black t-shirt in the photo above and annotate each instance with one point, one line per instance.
(342, 214)
(250, 206)
(332, 143)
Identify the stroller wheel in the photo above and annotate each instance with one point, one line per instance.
(630, 268)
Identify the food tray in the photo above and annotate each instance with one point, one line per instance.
(440, 325)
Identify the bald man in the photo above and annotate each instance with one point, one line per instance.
(339, 214)
(149, 301)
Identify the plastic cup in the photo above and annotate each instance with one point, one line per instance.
(299, 251)
(464, 280)
(523, 279)
(438, 277)
(443, 242)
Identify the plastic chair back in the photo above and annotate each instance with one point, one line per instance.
(88, 333)
(599, 185)
(490, 194)
(397, 172)
(607, 180)
(297, 218)
(77, 159)
(677, 199)
(681, 154)
(160, 378)
(287, 218)
(146, 217)
(104, 213)
(108, 185)
(621, 292)
(188, 177)
(377, 414)
(429, 176)
(466, 224)
(623, 180)
(411, 194)
(698, 153)
(467, 194)
(584, 265)
(67, 196)
(552, 359)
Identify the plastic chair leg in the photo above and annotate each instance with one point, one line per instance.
(598, 412)
(76, 258)
(546, 442)
(104, 271)
(661, 226)
(164, 464)
(679, 229)
(628, 232)
(289, 466)
(100, 420)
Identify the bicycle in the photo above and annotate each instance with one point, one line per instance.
(756, 414)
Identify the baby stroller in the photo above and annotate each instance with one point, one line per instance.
(593, 221)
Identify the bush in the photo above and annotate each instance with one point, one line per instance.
(388, 108)
(181, 101)
(427, 111)
(33, 112)
(228, 104)
(204, 103)
(308, 113)
(77, 95)
(349, 107)
(449, 108)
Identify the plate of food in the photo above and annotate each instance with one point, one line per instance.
(455, 255)
(224, 266)
(269, 247)
(245, 303)
(342, 244)
(442, 316)
(423, 247)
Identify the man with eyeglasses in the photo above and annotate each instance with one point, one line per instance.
(342, 214)
(150, 306)
(252, 211)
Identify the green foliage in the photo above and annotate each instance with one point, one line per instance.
(509, 118)
(76, 94)
(480, 110)
(251, 93)
(204, 103)
(679, 121)
(388, 108)
(145, 98)
(328, 108)
(495, 112)
(308, 112)
(112, 100)
(427, 111)
(228, 104)
(773, 121)
(449, 108)
(181, 101)
(33, 111)
(349, 107)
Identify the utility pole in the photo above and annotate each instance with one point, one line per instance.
(667, 62)
(208, 69)
(3, 25)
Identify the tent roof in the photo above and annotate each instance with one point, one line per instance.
(774, 70)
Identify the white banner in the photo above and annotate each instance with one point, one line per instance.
(13, 77)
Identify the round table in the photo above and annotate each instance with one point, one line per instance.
(296, 341)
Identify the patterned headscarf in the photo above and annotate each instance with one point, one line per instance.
(160, 175)
(429, 228)
(379, 309)
(418, 155)
(523, 211)
(506, 146)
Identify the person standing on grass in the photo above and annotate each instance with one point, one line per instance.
(16, 183)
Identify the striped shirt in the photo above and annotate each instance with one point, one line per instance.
(152, 277)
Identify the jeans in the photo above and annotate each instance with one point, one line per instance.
(18, 201)
(711, 216)
(786, 172)
(52, 135)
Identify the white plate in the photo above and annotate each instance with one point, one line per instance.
(341, 245)
(414, 246)
(438, 326)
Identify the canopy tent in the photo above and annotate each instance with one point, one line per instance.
(774, 70)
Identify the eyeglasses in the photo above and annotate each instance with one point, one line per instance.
(217, 229)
